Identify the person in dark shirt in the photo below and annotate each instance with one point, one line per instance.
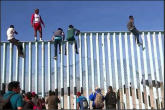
(131, 27)
(29, 104)
(57, 38)
(110, 99)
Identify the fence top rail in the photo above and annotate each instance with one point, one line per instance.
(93, 32)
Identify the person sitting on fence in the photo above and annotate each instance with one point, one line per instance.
(131, 27)
(58, 37)
(11, 39)
(12, 99)
(97, 99)
(110, 99)
(52, 101)
(82, 102)
(70, 36)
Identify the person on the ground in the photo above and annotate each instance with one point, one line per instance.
(52, 101)
(70, 37)
(57, 38)
(11, 39)
(29, 104)
(131, 27)
(110, 99)
(34, 98)
(97, 99)
(16, 101)
(37, 24)
(82, 102)
(2, 93)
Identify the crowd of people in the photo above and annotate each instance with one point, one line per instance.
(13, 99)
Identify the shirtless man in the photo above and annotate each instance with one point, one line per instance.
(37, 24)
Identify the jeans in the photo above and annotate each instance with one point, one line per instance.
(56, 42)
(19, 46)
(136, 34)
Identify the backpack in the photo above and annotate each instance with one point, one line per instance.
(83, 103)
(99, 101)
(34, 106)
(6, 104)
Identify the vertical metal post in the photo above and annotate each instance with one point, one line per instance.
(104, 65)
(128, 72)
(152, 67)
(134, 71)
(161, 55)
(140, 77)
(157, 69)
(49, 66)
(4, 63)
(122, 70)
(17, 66)
(74, 76)
(109, 59)
(68, 75)
(92, 62)
(56, 75)
(86, 66)
(23, 68)
(36, 67)
(43, 69)
(80, 64)
(30, 66)
(11, 63)
(98, 60)
(62, 78)
(146, 73)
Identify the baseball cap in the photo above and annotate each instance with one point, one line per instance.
(78, 94)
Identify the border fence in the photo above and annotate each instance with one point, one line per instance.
(105, 59)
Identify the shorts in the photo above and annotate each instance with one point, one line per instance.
(37, 26)
(71, 39)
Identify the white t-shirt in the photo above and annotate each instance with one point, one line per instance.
(10, 33)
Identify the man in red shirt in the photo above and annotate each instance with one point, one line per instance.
(37, 24)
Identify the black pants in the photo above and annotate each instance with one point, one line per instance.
(111, 107)
(56, 42)
(136, 34)
(72, 39)
(19, 46)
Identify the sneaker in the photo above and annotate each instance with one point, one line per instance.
(54, 57)
(77, 52)
(59, 52)
(36, 40)
(65, 53)
(22, 55)
(41, 40)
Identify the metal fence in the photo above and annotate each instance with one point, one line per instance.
(105, 59)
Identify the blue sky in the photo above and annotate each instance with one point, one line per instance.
(84, 15)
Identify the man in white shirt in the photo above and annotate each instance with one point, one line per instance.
(10, 37)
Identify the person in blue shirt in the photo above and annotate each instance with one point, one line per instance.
(82, 102)
(16, 100)
(92, 96)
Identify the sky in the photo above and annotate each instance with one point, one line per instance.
(84, 15)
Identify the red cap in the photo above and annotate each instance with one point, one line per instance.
(78, 94)
(33, 94)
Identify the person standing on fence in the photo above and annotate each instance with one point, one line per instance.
(52, 101)
(58, 36)
(110, 99)
(82, 102)
(131, 27)
(37, 24)
(97, 99)
(12, 99)
(11, 39)
(70, 36)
